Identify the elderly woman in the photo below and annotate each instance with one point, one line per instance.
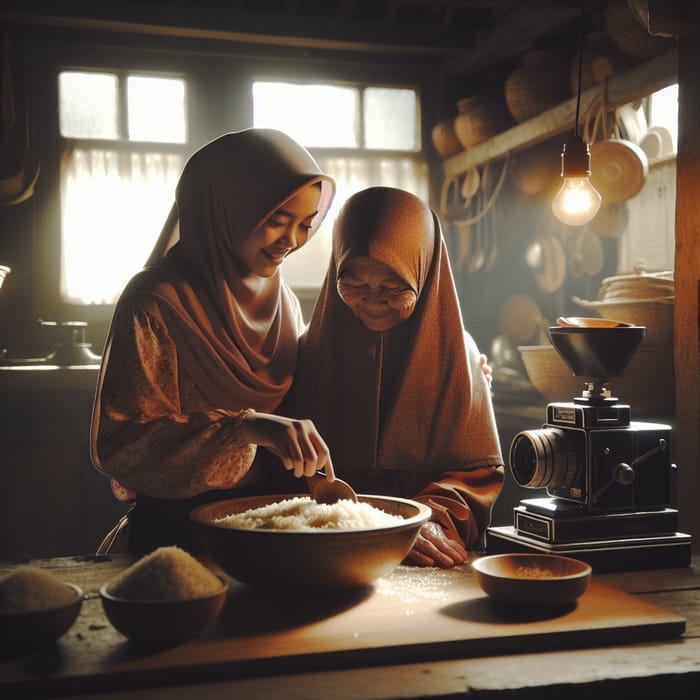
(392, 380)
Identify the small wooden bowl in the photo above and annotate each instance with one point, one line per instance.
(532, 580)
(157, 621)
(38, 628)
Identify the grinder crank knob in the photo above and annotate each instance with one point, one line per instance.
(623, 474)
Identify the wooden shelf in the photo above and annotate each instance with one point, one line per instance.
(635, 84)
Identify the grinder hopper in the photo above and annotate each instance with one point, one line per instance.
(596, 350)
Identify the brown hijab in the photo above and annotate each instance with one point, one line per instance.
(236, 333)
(413, 397)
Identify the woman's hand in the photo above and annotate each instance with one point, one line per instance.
(296, 442)
(434, 548)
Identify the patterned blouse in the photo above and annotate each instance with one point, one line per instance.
(158, 435)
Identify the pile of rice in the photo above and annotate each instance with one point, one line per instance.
(167, 573)
(533, 572)
(30, 589)
(304, 513)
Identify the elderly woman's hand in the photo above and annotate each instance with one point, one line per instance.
(296, 442)
(434, 548)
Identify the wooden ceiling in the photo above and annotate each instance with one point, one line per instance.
(466, 36)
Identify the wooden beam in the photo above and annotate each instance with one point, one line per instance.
(273, 29)
(632, 85)
(516, 33)
(686, 437)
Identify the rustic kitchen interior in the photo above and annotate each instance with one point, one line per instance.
(487, 92)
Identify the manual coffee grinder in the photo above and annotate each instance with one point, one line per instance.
(609, 479)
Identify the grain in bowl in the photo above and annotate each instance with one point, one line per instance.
(323, 554)
(304, 513)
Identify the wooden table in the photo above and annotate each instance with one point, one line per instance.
(416, 633)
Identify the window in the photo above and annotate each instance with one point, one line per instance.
(123, 138)
(663, 118)
(361, 135)
(648, 239)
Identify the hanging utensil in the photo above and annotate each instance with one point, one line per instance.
(470, 184)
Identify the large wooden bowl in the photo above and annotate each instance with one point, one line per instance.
(317, 559)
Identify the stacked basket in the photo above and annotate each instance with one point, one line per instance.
(641, 298)
(480, 117)
(541, 82)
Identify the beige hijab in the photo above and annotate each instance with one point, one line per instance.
(236, 334)
(413, 397)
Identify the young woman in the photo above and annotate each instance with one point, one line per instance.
(392, 380)
(203, 342)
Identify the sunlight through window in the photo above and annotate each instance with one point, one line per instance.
(156, 109)
(88, 105)
(115, 197)
(315, 115)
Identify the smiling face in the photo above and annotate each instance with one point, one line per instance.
(285, 230)
(376, 294)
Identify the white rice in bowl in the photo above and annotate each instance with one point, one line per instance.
(304, 513)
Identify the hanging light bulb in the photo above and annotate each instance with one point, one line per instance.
(577, 201)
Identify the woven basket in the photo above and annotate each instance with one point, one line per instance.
(632, 38)
(445, 140)
(639, 285)
(647, 384)
(540, 83)
(480, 117)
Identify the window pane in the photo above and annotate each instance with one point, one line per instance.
(113, 208)
(87, 105)
(314, 115)
(663, 116)
(390, 119)
(156, 109)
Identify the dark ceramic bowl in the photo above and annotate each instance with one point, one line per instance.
(40, 627)
(320, 559)
(532, 580)
(162, 620)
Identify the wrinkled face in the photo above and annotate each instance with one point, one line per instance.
(287, 229)
(375, 294)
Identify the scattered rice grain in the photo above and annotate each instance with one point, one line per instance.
(533, 572)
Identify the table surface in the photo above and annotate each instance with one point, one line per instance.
(547, 656)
